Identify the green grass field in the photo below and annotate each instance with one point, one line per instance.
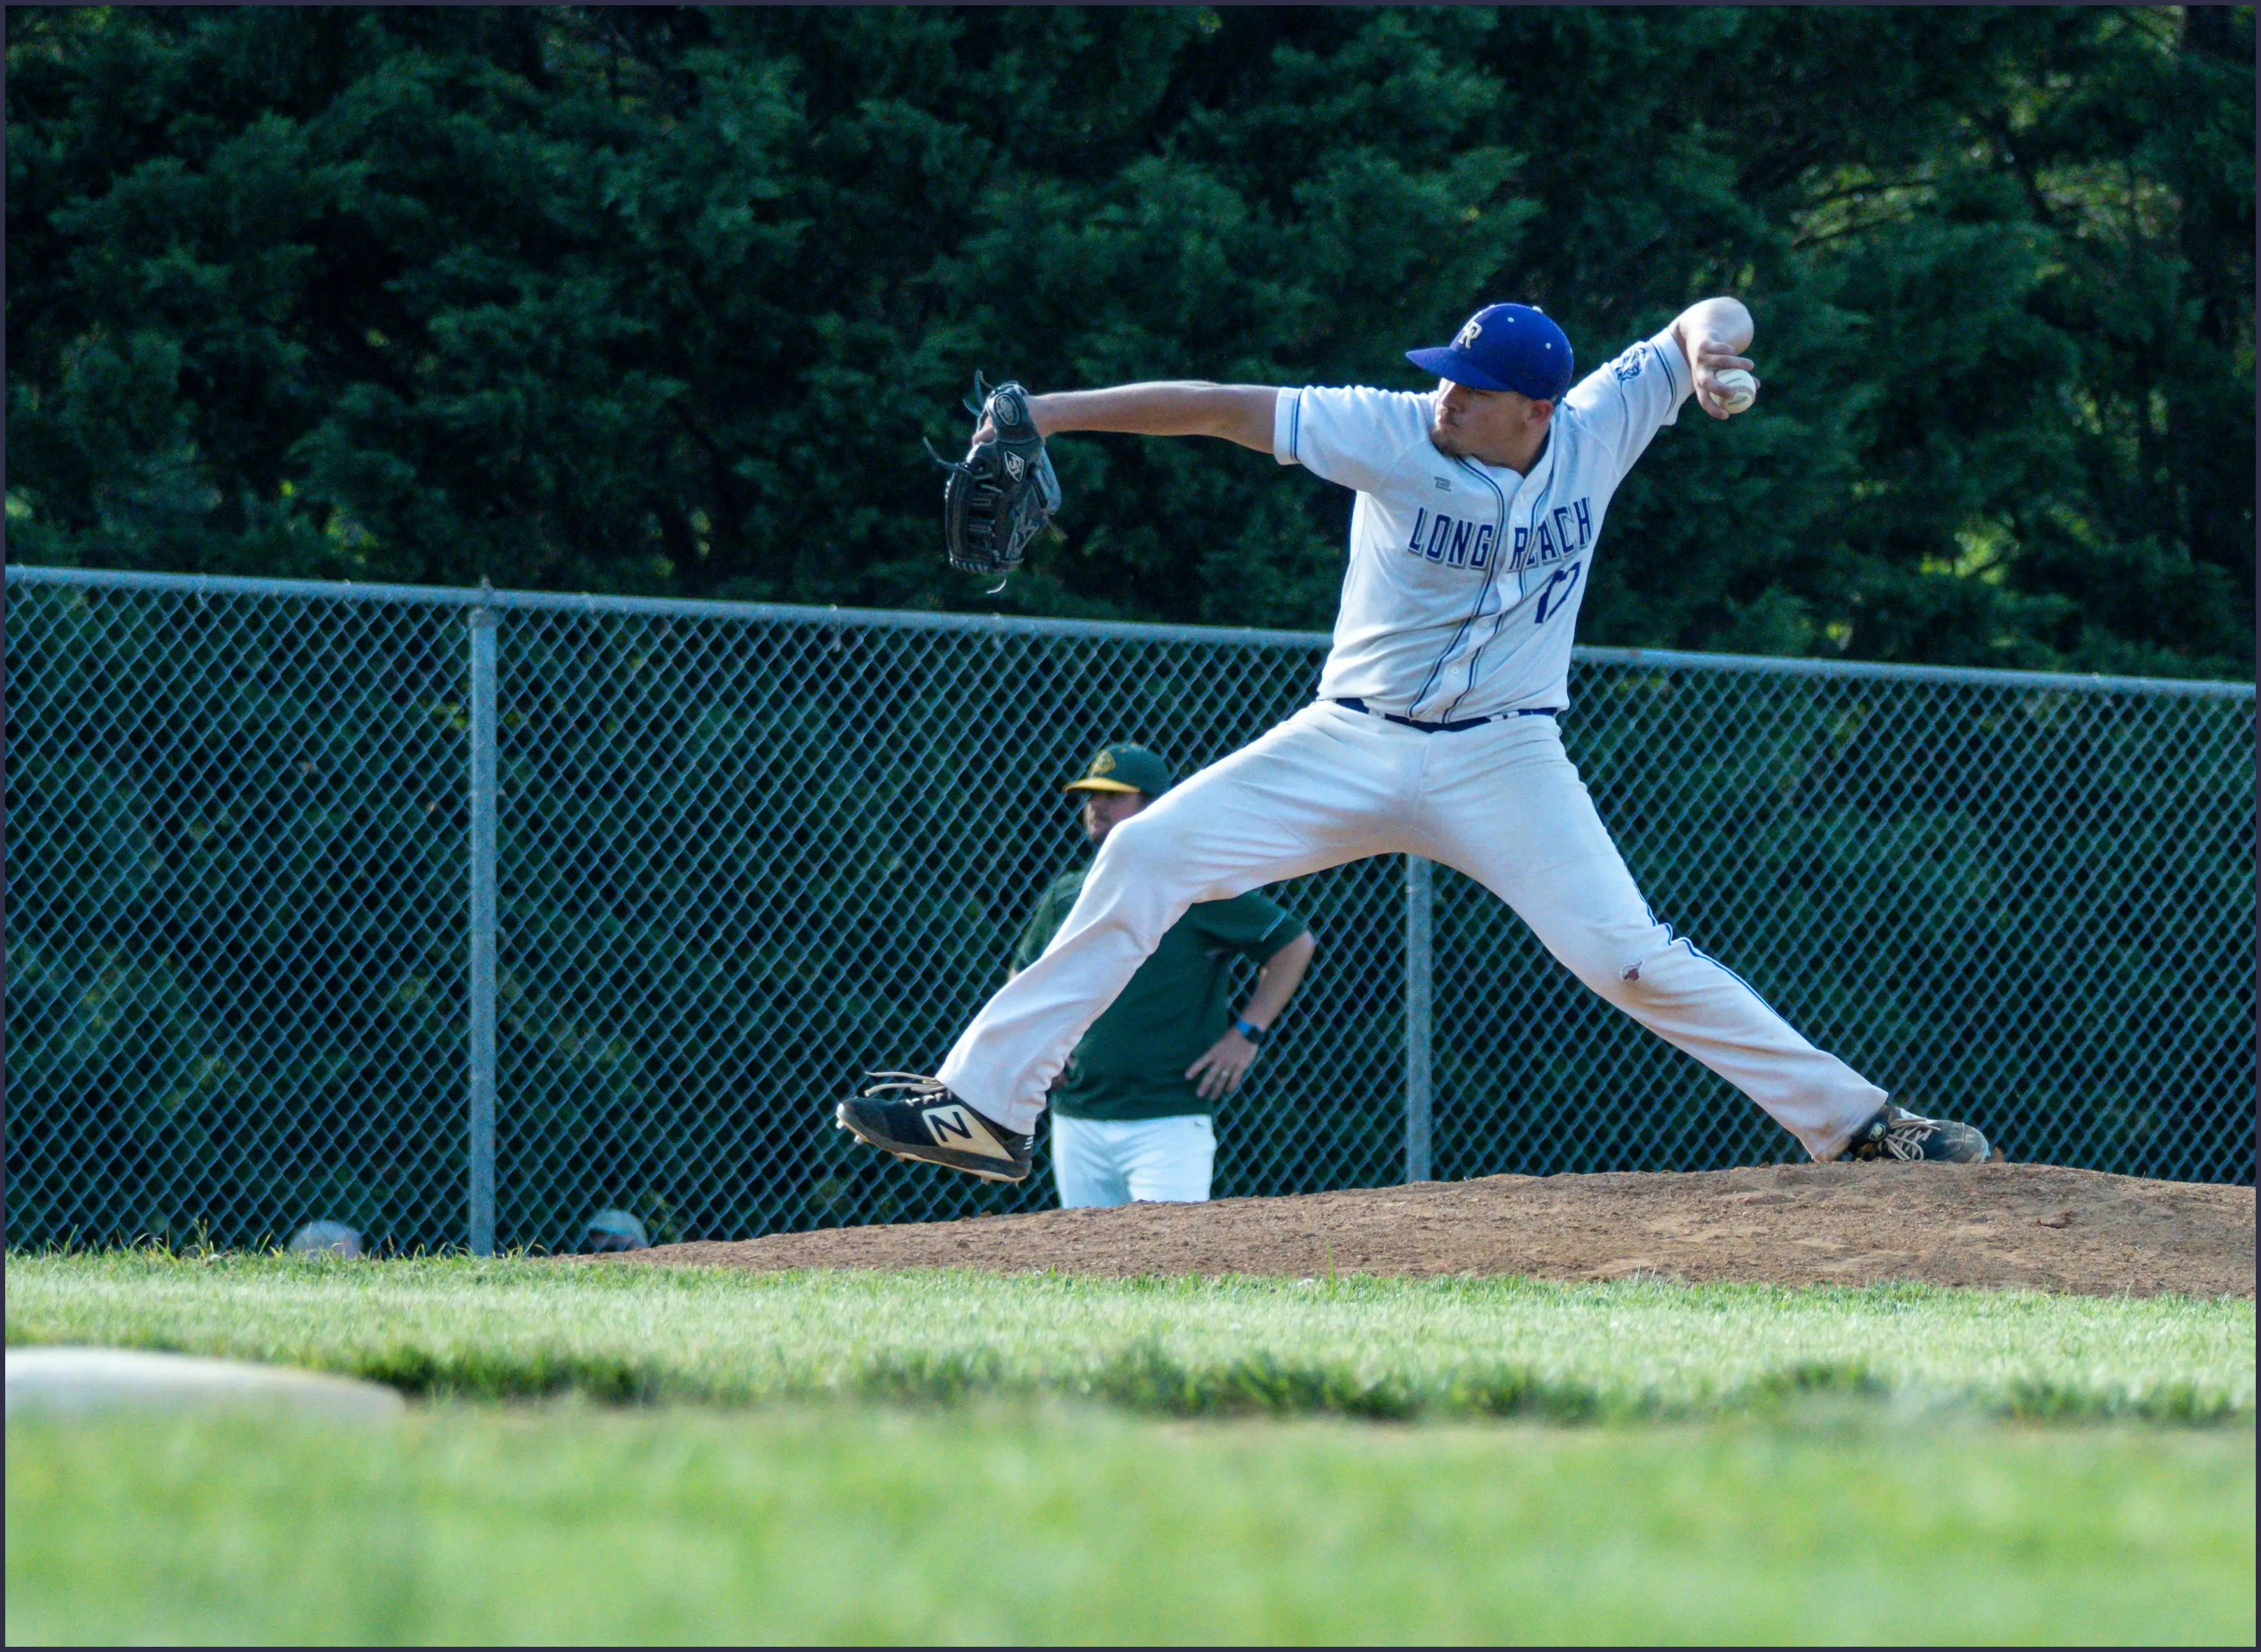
(1361, 1346)
(964, 1458)
(1060, 1523)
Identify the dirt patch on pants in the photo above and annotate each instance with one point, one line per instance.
(2031, 1226)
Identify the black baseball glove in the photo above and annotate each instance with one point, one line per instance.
(1001, 493)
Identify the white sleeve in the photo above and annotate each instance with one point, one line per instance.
(1625, 402)
(1352, 436)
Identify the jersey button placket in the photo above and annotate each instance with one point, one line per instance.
(1503, 549)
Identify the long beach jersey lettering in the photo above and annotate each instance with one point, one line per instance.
(1465, 578)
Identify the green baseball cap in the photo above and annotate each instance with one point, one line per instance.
(1124, 768)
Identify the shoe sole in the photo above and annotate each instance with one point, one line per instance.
(1992, 1155)
(964, 1163)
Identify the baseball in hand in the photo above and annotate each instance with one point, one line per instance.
(1737, 389)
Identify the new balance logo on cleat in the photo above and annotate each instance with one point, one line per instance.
(957, 1125)
(914, 1116)
(1895, 1133)
(948, 1122)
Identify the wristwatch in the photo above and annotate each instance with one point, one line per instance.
(1248, 1029)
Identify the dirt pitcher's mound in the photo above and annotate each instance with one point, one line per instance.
(2033, 1225)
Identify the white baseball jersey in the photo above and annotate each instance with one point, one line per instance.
(1465, 578)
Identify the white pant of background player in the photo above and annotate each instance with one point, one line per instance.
(1116, 1161)
(1501, 803)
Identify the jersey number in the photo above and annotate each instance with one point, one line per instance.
(1548, 601)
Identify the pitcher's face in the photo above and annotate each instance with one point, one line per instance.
(1491, 426)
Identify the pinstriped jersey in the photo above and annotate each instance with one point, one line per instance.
(1465, 578)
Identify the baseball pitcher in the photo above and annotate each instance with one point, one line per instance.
(1480, 507)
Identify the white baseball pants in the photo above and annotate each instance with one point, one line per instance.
(1502, 803)
(1115, 1161)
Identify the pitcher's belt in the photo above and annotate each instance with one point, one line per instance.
(1454, 727)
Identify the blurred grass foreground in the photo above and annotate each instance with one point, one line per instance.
(958, 1457)
(1063, 1523)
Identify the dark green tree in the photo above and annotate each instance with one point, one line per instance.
(661, 299)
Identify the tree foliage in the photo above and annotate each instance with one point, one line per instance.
(661, 299)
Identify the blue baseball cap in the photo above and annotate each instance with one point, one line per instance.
(1504, 347)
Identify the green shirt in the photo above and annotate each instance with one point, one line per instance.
(1132, 1062)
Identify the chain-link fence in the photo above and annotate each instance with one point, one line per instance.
(450, 913)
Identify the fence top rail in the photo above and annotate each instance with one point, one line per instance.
(1124, 630)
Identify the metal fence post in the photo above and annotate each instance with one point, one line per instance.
(1418, 872)
(482, 933)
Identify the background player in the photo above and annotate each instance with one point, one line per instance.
(1133, 1110)
(1480, 507)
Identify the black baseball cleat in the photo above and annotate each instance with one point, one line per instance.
(914, 1116)
(1897, 1133)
